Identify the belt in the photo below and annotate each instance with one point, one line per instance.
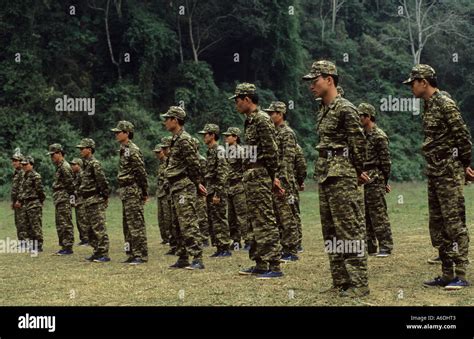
(443, 155)
(370, 167)
(337, 152)
(252, 165)
(126, 184)
(235, 181)
(86, 195)
(29, 199)
(176, 178)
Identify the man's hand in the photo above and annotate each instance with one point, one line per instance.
(17, 204)
(363, 178)
(202, 190)
(469, 174)
(216, 200)
(145, 199)
(106, 202)
(279, 191)
(388, 188)
(301, 188)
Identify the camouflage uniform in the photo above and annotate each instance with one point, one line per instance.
(133, 188)
(217, 171)
(20, 222)
(31, 196)
(94, 192)
(183, 174)
(81, 222)
(163, 206)
(300, 176)
(447, 151)
(63, 194)
(285, 208)
(237, 213)
(201, 205)
(377, 167)
(341, 148)
(265, 247)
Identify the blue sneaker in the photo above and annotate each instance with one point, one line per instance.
(136, 261)
(102, 259)
(300, 249)
(215, 255)
(180, 264)
(270, 275)
(64, 252)
(195, 265)
(438, 281)
(224, 254)
(91, 258)
(252, 271)
(246, 248)
(456, 284)
(288, 258)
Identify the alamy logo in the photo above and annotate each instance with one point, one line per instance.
(242, 152)
(395, 104)
(66, 104)
(37, 322)
(338, 246)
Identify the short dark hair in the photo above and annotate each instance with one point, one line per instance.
(130, 135)
(238, 138)
(335, 78)
(252, 97)
(433, 82)
(216, 136)
(372, 118)
(180, 121)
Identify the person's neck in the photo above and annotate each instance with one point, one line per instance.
(177, 130)
(370, 126)
(211, 143)
(279, 123)
(330, 95)
(125, 141)
(252, 108)
(429, 93)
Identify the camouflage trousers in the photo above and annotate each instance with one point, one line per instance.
(285, 213)
(202, 218)
(217, 217)
(188, 235)
(173, 227)
(164, 217)
(265, 248)
(447, 224)
(376, 217)
(96, 224)
(33, 215)
(238, 218)
(342, 219)
(298, 215)
(81, 223)
(64, 225)
(134, 229)
(20, 223)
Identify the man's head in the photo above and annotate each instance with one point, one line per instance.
(323, 77)
(367, 114)
(76, 165)
(232, 135)
(16, 160)
(86, 147)
(123, 131)
(174, 118)
(422, 80)
(27, 163)
(277, 112)
(56, 152)
(245, 97)
(210, 133)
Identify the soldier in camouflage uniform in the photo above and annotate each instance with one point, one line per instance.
(17, 178)
(447, 151)
(237, 213)
(94, 192)
(63, 196)
(285, 208)
(30, 198)
(133, 191)
(184, 175)
(81, 223)
(298, 185)
(338, 169)
(377, 167)
(201, 205)
(259, 178)
(217, 171)
(163, 207)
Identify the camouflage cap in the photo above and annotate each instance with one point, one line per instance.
(420, 71)
(123, 125)
(17, 156)
(232, 131)
(276, 106)
(86, 143)
(165, 142)
(340, 90)
(76, 161)
(28, 160)
(365, 108)
(54, 148)
(243, 89)
(175, 112)
(210, 128)
(321, 67)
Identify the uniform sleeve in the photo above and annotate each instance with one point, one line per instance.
(300, 166)
(140, 172)
(68, 180)
(102, 184)
(288, 156)
(268, 147)
(384, 163)
(190, 157)
(355, 138)
(221, 176)
(460, 133)
(39, 188)
(15, 186)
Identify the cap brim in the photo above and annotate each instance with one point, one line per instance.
(310, 76)
(226, 133)
(409, 81)
(233, 97)
(80, 146)
(202, 132)
(115, 130)
(49, 153)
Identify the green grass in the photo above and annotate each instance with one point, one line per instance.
(51, 280)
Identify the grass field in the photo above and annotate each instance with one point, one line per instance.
(62, 281)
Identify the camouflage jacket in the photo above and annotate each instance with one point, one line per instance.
(217, 171)
(339, 129)
(161, 182)
(31, 191)
(236, 169)
(378, 155)
(77, 184)
(447, 142)
(132, 168)
(16, 184)
(300, 166)
(63, 186)
(286, 141)
(183, 159)
(260, 133)
(94, 186)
